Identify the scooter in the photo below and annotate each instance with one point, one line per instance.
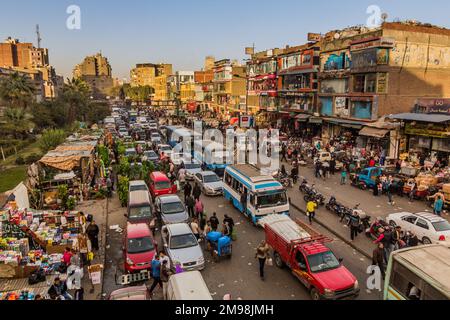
(373, 230)
(313, 195)
(303, 186)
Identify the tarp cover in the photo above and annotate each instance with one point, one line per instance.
(373, 132)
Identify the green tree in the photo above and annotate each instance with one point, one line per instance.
(75, 94)
(17, 90)
(51, 139)
(17, 123)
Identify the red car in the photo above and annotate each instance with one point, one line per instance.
(160, 185)
(139, 248)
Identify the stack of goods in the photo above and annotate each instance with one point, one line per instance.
(13, 250)
(446, 190)
(22, 295)
(10, 257)
(425, 181)
(46, 262)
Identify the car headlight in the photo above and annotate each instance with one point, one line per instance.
(329, 292)
(209, 188)
(356, 285)
(130, 262)
(201, 260)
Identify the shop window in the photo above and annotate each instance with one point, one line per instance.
(327, 106)
(359, 82)
(371, 83)
(361, 110)
(441, 145)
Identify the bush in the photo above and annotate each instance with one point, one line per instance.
(20, 161)
(51, 139)
(32, 158)
(123, 190)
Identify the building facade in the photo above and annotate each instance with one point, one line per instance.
(97, 73)
(143, 75)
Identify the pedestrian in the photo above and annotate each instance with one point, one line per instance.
(283, 153)
(389, 193)
(412, 193)
(385, 238)
(58, 290)
(67, 256)
(354, 223)
(187, 191)
(164, 257)
(397, 238)
(333, 166)
(197, 191)
(244, 201)
(317, 168)
(198, 208)
(294, 174)
(156, 273)
(228, 220)
(195, 228)
(262, 253)
(164, 276)
(214, 221)
(226, 230)
(202, 220)
(311, 207)
(438, 205)
(92, 231)
(182, 177)
(190, 204)
(375, 186)
(109, 186)
(343, 176)
(378, 258)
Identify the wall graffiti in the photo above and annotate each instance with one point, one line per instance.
(416, 55)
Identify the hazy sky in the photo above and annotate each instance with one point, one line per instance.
(183, 32)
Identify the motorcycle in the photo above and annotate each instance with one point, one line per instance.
(303, 186)
(334, 206)
(313, 195)
(347, 213)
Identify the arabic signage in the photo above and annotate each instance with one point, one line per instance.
(433, 106)
(378, 43)
(427, 130)
(382, 82)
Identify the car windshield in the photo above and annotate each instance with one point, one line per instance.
(210, 178)
(140, 212)
(140, 245)
(166, 149)
(273, 199)
(183, 241)
(441, 226)
(323, 262)
(150, 154)
(161, 185)
(139, 187)
(172, 207)
(191, 166)
(131, 152)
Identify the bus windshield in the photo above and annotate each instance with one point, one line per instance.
(272, 199)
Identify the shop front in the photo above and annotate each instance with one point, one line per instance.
(345, 130)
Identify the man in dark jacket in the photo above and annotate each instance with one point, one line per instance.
(228, 220)
(197, 192)
(187, 191)
(58, 290)
(92, 231)
(378, 258)
(214, 221)
(354, 225)
(164, 276)
(190, 204)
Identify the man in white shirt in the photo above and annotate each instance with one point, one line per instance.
(164, 257)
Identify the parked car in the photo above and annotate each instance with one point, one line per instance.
(188, 286)
(155, 137)
(140, 208)
(192, 168)
(428, 227)
(166, 149)
(151, 156)
(136, 293)
(137, 185)
(209, 182)
(182, 247)
(160, 185)
(170, 209)
(130, 152)
(139, 248)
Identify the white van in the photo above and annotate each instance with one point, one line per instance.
(188, 286)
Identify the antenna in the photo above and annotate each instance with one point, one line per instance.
(39, 39)
(384, 16)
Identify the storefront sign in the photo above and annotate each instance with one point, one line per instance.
(246, 122)
(382, 83)
(427, 130)
(433, 106)
(378, 43)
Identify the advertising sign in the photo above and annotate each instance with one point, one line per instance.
(246, 122)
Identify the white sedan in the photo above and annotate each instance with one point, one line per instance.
(428, 228)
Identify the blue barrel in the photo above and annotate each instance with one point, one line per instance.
(214, 236)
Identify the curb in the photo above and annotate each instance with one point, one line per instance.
(351, 244)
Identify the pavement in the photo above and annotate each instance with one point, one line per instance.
(238, 276)
(350, 196)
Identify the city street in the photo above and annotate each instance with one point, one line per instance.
(238, 276)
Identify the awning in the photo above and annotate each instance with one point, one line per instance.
(346, 123)
(373, 132)
(422, 117)
(302, 117)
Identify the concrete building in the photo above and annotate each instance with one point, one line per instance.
(97, 73)
(209, 63)
(35, 77)
(230, 87)
(163, 71)
(367, 74)
(204, 88)
(143, 75)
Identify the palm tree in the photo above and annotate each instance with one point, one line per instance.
(17, 90)
(17, 123)
(76, 94)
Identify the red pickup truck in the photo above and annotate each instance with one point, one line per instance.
(302, 249)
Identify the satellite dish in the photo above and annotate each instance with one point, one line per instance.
(384, 16)
(337, 35)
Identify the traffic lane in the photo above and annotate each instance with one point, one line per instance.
(239, 276)
(354, 261)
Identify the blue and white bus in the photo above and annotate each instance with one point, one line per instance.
(177, 134)
(265, 195)
(214, 156)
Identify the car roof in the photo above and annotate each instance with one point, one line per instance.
(159, 176)
(169, 198)
(138, 230)
(179, 228)
(137, 183)
(208, 173)
(424, 215)
(139, 197)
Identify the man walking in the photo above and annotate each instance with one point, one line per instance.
(190, 204)
(187, 191)
(311, 207)
(197, 191)
(438, 205)
(354, 225)
(92, 231)
(165, 274)
(156, 273)
(378, 258)
(214, 221)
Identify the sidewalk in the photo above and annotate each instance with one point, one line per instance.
(350, 196)
(98, 208)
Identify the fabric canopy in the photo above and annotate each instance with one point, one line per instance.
(423, 117)
(373, 132)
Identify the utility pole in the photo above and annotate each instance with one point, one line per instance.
(39, 39)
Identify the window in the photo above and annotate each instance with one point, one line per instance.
(359, 82)
(430, 293)
(402, 280)
(441, 226)
(410, 219)
(371, 83)
(173, 207)
(300, 258)
(323, 262)
(183, 241)
(422, 223)
(228, 179)
(365, 172)
(162, 185)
